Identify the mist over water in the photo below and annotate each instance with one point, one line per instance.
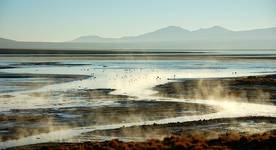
(134, 79)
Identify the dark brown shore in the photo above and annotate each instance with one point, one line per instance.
(198, 141)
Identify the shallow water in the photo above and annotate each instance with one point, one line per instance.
(133, 78)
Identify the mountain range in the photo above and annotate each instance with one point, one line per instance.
(178, 34)
(171, 37)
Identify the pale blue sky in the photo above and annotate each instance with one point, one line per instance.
(62, 20)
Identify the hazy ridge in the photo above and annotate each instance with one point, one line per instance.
(171, 37)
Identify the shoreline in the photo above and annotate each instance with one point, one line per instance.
(178, 88)
(210, 131)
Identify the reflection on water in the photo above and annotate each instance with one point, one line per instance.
(115, 81)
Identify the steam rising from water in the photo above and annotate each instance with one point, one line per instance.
(220, 91)
(133, 82)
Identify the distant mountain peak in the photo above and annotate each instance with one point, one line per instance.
(213, 29)
(218, 27)
(90, 38)
(172, 28)
(169, 30)
(169, 33)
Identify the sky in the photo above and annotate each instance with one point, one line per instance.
(64, 20)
